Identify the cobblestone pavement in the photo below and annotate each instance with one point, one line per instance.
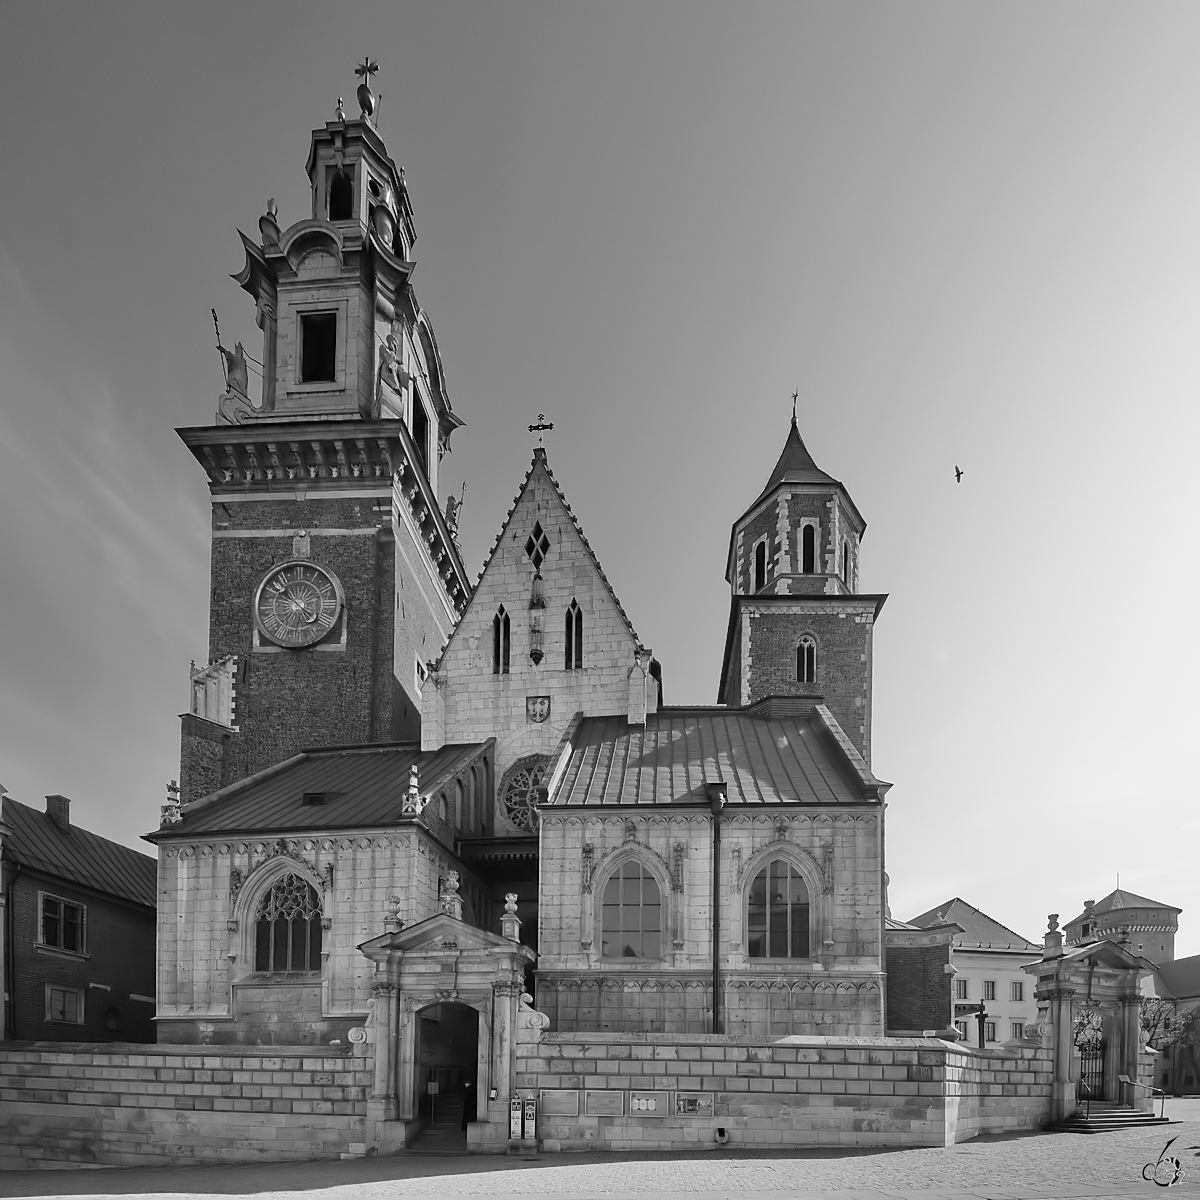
(1030, 1165)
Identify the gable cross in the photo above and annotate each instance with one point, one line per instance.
(541, 427)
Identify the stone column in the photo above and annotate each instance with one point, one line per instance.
(1062, 1090)
(1130, 1023)
(382, 1104)
(504, 1000)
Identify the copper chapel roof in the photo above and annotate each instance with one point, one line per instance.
(763, 755)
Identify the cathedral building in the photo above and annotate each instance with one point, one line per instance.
(413, 808)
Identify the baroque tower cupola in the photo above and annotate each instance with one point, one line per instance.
(336, 576)
(798, 626)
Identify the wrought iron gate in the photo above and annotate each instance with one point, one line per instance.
(1091, 1071)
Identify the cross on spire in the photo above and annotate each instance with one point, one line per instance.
(541, 427)
(795, 397)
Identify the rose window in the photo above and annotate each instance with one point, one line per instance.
(519, 792)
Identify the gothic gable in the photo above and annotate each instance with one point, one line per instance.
(543, 637)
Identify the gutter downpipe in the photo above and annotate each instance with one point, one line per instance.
(717, 793)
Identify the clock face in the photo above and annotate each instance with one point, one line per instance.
(297, 604)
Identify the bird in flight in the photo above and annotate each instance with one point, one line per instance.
(958, 474)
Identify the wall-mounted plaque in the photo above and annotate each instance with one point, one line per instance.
(694, 1104)
(649, 1104)
(604, 1104)
(560, 1103)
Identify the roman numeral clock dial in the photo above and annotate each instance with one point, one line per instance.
(297, 604)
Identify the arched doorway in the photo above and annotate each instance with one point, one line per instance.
(445, 1079)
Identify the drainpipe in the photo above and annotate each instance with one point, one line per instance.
(717, 793)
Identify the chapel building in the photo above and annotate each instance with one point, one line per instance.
(407, 801)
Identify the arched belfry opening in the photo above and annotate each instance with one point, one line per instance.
(445, 1077)
(341, 197)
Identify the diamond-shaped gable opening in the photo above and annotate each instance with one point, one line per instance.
(537, 544)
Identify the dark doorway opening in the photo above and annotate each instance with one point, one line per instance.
(445, 1075)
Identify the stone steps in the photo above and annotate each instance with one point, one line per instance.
(444, 1134)
(1106, 1118)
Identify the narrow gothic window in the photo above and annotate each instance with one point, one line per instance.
(632, 918)
(574, 623)
(341, 197)
(500, 642)
(808, 549)
(760, 566)
(287, 930)
(846, 563)
(777, 913)
(806, 660)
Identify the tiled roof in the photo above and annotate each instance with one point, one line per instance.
(363, 786)
(78, 856)
(979, 931)
(763, 759)
(1120, 899)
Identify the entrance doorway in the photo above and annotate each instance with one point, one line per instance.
(445, 1078)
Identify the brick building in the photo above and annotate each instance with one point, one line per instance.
(78, 920)
(406, 800)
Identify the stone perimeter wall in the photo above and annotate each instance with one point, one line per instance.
(132, 1105)
(790, 1091)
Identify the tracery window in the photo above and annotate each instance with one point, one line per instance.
(501, 642)
(806, 659)
(808, 549)
(777, 913)
(287, 928)
(519, 793)
(574, 639)
(631, 921)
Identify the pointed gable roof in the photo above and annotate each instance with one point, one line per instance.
(979, 931)
(539, 466)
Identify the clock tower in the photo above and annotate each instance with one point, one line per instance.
(335, 576)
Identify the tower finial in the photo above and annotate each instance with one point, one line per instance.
(366, 99)
(795, 397)
(541, 427)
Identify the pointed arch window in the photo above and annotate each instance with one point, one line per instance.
(341, 197)
(574, 637)
(777, 913)
(631, 922)
(760, 565)
(287, 928)
(806, 659)
(808, 549)
(501, 642)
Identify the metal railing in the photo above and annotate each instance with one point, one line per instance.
(1152, 1090)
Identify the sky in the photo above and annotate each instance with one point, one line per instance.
(965, 234)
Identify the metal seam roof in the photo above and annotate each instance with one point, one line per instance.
(763, 761)
(78, 856)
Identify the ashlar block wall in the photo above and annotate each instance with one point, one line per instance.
(128, 1105)
(624, 1092)
(837, 991)
(207, 897)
